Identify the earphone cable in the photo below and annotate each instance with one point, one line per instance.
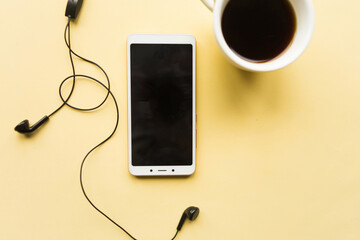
(68, 44)
(175, 235)
(65, 102)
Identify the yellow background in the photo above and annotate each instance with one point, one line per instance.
(278, 154)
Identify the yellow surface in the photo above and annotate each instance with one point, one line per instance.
(278, 153)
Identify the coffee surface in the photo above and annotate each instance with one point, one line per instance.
(258, 30)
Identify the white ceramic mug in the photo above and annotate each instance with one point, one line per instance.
(305, 20)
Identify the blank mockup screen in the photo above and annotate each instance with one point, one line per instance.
(161, 104)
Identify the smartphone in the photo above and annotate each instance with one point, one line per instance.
(161, 104)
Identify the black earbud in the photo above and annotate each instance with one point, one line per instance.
(24, 127)
(73, 8)
(191, 213)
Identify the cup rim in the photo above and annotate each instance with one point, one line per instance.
(271, 65)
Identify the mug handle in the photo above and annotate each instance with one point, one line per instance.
(209, 4)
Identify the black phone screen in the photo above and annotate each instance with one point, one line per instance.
(161, 88)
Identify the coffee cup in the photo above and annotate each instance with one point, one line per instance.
(242, 51)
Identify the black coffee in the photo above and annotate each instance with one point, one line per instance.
(258, 30)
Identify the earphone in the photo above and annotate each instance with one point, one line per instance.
(191, 213)
(72, 10)
(24, 127)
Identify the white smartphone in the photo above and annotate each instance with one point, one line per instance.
(161, 104)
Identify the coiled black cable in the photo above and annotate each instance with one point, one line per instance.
(65, 102)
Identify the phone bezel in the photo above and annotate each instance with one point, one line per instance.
(161, 39)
